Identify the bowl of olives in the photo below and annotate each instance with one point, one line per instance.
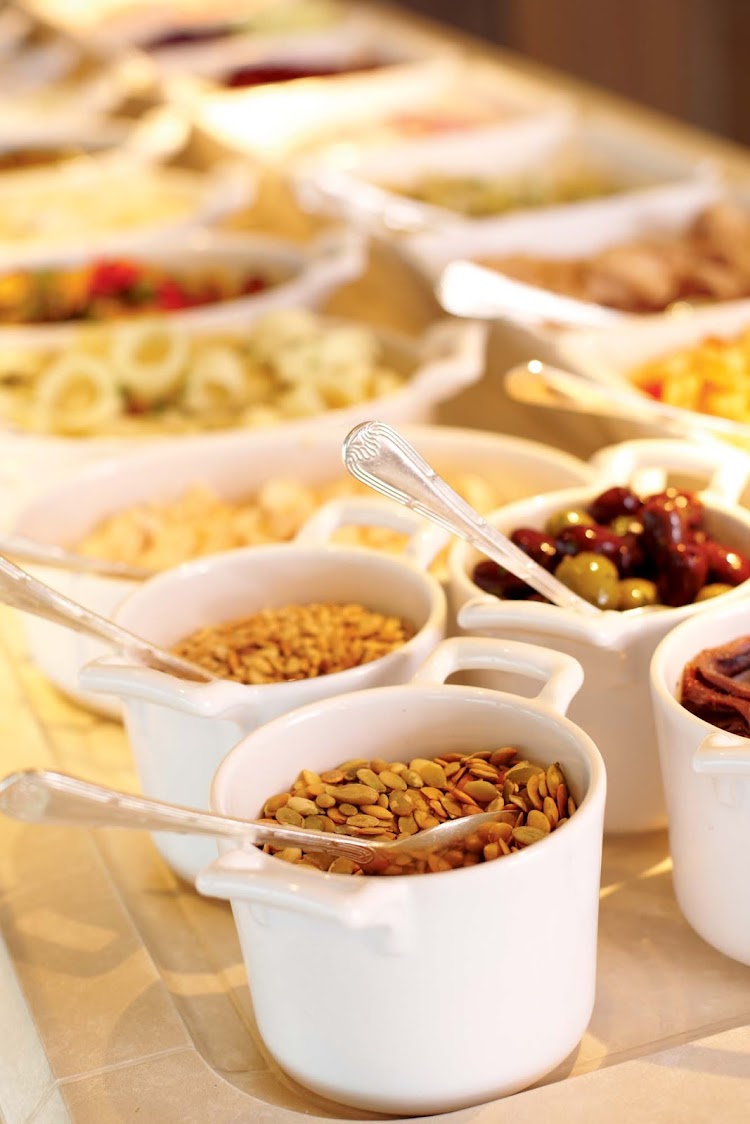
(648, 560)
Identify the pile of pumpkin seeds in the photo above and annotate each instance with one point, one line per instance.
(390, 800)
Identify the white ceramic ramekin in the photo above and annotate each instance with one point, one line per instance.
(180, 731)
(706, 774)
(234, 466)
(615, 649)
(394, 994)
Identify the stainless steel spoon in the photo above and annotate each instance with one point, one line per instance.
(379, 456)
(21, 591)
(541, 384)
(467, 289)
(47, 554)
(43, 796)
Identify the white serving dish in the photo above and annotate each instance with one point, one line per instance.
(270, 120)
(181, 731)
(565, 232)
(448, 357)
(614, 648)
(609, 356)
(397, 935)
(208, 197)
(234, 466)
(362, 185)
(706, 774)
(159, 134)
(309, 274)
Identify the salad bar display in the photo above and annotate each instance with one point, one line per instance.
(222, 240)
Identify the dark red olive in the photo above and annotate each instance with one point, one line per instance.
(537, 545)
(689, 504)
(682, 573)
(613, 502)
(499, 582)
(726, 565)
(624, 550)
(664, 525)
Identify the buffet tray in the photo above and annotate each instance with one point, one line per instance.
(125, 995)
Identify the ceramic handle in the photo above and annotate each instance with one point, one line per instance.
(484, 612)
(355, 903)
(646, 464)
(217, 699)
(561, 674)
(722, 755)
(451, 355)
(425, 540)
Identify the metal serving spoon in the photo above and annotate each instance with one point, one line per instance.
(541, 384)
(46, 554)
(467, 289)
(43, 796)
(21, 591)
(379, 456)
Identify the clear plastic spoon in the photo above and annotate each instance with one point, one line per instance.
(21, 591)
(43, 796)
(379, 456)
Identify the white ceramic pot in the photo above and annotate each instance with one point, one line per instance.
(706, 775)
(615, 649)
(180, 731)
(394, 994)
(234, 466)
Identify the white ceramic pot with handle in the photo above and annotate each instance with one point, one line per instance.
(706, 775)
(180, 731)
(423, 993)
(615, 649)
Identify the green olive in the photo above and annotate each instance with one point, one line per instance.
(568, 517)
(625, 525)
(637, 592)
(715, 589)
(591, 576)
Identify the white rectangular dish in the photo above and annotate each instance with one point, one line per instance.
(610, 356)
(538, 149)
(559, 233)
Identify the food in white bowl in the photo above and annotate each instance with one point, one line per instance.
(704, 751)
(113, 205)
(489, 168)
(166, 504)
(398, 933)
(179, 734)
(388, 800)
(615, 647)
(692, 361)
(148, 377)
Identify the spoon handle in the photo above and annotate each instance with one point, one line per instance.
(21, 591)
(541, 384)
(47, 554)
(44, 796)
(379, 456)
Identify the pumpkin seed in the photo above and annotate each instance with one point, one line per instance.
(367, 776)
(527, 835)
(538, 820)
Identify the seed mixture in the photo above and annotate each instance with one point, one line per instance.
(392, 800)
(294, 642)
(200, 522)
